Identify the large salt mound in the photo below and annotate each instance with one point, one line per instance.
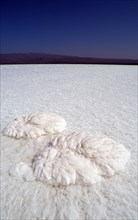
(77, 158)
(34, 125)
(64, 167)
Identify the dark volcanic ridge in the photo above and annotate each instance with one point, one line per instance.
(44, 58)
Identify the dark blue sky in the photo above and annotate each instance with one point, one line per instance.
(96, 28)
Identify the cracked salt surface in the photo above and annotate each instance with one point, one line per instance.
(92, 98)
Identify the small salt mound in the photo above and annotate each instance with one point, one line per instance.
(22, 171)
(34, 125)
(79, 158)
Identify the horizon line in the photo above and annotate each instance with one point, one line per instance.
(65, 55)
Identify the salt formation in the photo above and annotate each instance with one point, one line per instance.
(79, 158)
(22, 171)
(34, 125)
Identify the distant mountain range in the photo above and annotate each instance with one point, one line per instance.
(44, 58)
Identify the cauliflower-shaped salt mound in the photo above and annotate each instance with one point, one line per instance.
(64, 168)
(34, 125)
(79, 158)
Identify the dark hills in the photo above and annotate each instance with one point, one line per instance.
(44, 58)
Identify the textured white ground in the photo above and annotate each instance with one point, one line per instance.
(92, 98)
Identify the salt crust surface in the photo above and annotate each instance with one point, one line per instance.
(34, 125)
(91, 98)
